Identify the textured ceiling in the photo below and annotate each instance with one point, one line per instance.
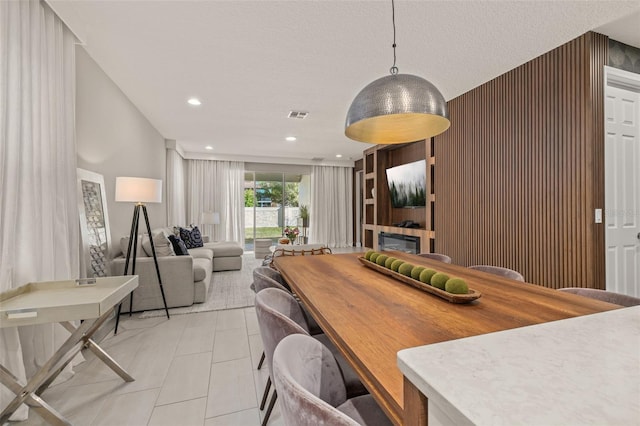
(251, 62)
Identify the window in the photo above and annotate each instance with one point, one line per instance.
(272, 202)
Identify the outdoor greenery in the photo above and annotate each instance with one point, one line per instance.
(249, 199)
(304, 212)
(267, 232)
(271, 193)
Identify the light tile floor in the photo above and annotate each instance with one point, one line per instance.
(195, 369)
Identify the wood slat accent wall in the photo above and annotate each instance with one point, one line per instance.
(521, 169)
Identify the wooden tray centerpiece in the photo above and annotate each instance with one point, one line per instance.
(470, 296)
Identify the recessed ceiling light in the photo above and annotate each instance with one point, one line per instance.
(291, 138)
(338, 155)
(209, 147)
(194, 101)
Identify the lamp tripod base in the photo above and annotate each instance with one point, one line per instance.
(133, 246)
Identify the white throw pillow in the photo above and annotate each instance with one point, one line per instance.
(124, 245)
(162, 245)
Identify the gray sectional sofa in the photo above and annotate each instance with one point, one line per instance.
(186, 279)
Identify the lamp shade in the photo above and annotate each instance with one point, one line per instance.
(398, 108)
(138, 190)
(210, 218)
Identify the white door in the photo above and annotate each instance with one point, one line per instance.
(622, 189)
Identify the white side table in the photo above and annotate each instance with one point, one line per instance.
(90, 300)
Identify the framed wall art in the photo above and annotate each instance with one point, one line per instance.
(94, 225)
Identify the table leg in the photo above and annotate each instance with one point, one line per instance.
(100, 353)
(80, 337)
(415, 405)
(46, 371)
(41, 407)
(111, 363)
(93, 327)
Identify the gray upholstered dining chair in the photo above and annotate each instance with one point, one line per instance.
(308, 377)
(279, 315)
(436, 256)
(296, 250)
(272, 273)
(265, 277)
(605, 296)
(499, 271)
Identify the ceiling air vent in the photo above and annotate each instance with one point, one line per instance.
(318, 159)
(298, 114)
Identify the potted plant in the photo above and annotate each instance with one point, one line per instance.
(304, 215)
(291, 233)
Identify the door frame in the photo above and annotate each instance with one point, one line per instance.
(620, 79)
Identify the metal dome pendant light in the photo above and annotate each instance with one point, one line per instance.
(398, 108)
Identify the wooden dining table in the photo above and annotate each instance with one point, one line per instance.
(370, 316)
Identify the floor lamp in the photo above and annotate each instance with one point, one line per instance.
(139, 191)
(211, 218)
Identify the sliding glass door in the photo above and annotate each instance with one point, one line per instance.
(272, 202)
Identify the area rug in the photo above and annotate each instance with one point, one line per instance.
(228, 290)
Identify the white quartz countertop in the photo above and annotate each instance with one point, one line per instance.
(578, 371)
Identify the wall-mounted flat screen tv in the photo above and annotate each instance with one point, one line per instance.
(408, 184)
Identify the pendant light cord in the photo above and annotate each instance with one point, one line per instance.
(394, 69)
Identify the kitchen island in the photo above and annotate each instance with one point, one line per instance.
(576, 371)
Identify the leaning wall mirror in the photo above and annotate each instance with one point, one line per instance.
(94, 225)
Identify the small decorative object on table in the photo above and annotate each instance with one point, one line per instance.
(454, 290)
(291, 233)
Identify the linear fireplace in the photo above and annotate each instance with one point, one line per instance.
(405, 243)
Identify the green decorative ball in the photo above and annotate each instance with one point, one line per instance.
(368, 254)
(425, 276)
(396, 265)
(439, 280)
(389, 261)
(457, 286)
(405, 269)
(374, 256)
(381, 259)
(415, 272)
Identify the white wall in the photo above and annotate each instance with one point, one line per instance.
(115, 139)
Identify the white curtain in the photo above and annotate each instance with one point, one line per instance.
(176, 206)
(217, 186)
(331, 212)
(38, 207)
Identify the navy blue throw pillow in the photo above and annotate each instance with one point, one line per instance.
(191, 237)
(179, 247)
